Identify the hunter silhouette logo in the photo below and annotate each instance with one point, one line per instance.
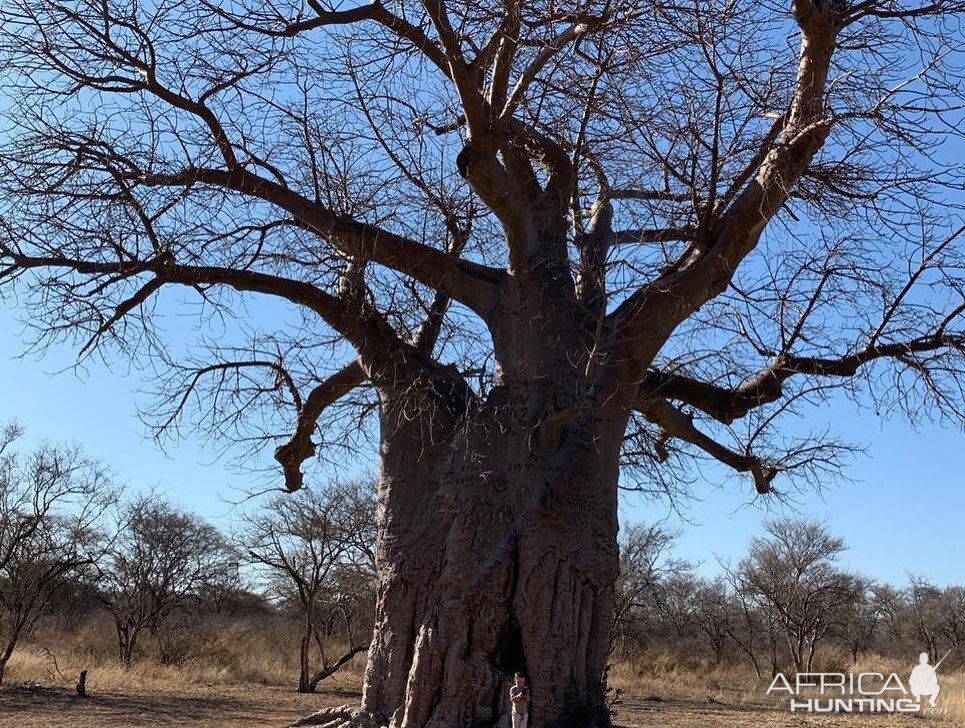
(924, 679)
(866, 692)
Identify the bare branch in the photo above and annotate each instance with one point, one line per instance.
(467, 282)
(727, 405)
(676, 424)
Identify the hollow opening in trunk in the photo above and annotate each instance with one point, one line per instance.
(508, 658)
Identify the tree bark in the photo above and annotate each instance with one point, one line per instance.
(497, 550)
(515, 572)
(304, 652)
(126, 643)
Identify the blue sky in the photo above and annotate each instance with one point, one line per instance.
(904, 512)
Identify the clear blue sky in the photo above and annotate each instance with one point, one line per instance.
(904, 512)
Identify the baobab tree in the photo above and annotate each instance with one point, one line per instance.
(536, 240)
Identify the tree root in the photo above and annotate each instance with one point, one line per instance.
(344, 716)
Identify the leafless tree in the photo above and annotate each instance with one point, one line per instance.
(755, 632)
(50, 502)
(919, 617)
(924, 613)
(862, 619)
(953, 616)
(535, 241)
(645, 563)
(792, 575)
(894, 603)
(317, 549)
(860, 623)
(160, 558)
(713, 615)
(229, 591)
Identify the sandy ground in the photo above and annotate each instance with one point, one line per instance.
(251, 706)
(256, 706)
(705, 714)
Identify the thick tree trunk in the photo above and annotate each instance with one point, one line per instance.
(497, 547)
(497, 553)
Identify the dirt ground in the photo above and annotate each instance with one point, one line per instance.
(201, 707)
(257, 706)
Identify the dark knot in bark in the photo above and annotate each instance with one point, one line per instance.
(819, 18)
(834, 6)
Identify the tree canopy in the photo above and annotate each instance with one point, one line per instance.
(751, 204)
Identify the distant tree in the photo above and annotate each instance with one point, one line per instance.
(792, 576)
(712, 614)
(925, 613)
(229, 592)
(676, 600)
(645, 562)
(894, 603)
(317, 550)
(73, 606)
(862, 619)
(753, 631)
(159, 559)
(952, 609)
(50, 502)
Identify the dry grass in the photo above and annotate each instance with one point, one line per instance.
(245, 679)
(662, 678)
(34, 667)
(256, 653)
